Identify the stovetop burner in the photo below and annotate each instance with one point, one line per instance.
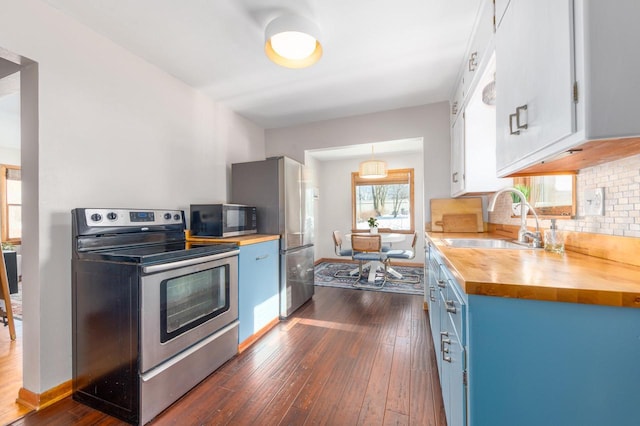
(158, 252)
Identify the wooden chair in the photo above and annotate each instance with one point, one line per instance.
(337, 247)
(407, 254)
(368, 248)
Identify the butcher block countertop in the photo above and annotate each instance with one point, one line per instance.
(539, 275)
(241, 240)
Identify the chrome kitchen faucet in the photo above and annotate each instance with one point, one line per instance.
(523, 232)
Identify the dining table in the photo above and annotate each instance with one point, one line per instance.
(388, 238)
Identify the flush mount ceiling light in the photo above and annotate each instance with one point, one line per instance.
(372, 169)
(292, 41)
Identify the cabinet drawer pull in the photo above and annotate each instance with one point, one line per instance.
(444, 334)
(445, 350)
(441, 284)
(518, 110)
(511, 131)
(473, 61)
(264, 256)
(451, 306)
(454, 177)
(431, 289)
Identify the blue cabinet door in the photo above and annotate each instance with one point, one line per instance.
(258, 299)
(457, 387)
(453, 365)
(433, 297)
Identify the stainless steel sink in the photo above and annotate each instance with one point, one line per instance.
(486, 243)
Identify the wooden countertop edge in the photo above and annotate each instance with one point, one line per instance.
(554, 294)
(499, 288)
(241, 240)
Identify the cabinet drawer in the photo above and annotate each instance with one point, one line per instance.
(457, 310)
(258, 287)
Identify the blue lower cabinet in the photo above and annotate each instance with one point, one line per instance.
(505, 361)
(258, 278)
(536, 363)
(447, 314)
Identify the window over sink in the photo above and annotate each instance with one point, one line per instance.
(552, 196)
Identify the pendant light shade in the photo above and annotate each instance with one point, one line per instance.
(489, 93)
(372, 169)
(292, 41)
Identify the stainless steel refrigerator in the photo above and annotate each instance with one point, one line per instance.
(277, 187)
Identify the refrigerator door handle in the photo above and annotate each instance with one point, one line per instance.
(295, 249)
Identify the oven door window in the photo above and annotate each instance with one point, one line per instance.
(190, 300)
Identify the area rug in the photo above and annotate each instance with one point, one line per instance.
(324, 276)
(16, 305)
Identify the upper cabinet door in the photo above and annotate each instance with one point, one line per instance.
(457, 157)
(534, 78)
(500, 9)
(478, 53)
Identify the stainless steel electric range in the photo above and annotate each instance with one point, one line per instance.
(153, 315)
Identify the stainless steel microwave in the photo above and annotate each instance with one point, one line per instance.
(223, 220)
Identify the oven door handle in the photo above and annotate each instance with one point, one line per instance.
(188, 262)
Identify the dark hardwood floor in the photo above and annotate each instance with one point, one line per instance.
(348, 357)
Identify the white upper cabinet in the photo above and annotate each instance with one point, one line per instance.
(457, 104)
(500, 8)
(473, 144)
(608, 67)
(534, 78)
(567, 74)
(457, 157)
(479, 48)
(473, 132)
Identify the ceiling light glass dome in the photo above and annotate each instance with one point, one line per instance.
(292, 41)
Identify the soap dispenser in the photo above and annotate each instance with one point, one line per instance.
(554, 239)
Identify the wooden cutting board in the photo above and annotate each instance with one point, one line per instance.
(457, 207)
(464, 222)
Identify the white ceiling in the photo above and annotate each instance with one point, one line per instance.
(402, 146)
(378, 54)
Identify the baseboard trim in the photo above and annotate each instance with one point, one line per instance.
(254, 337)
(37, 401)
(334, 260)
(348, 260)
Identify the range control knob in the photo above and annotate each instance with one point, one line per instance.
(112, 216)
(176, 216)
(167, 216)
(96, 217)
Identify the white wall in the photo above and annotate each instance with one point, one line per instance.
(334, 211)
(430, 122)
(10, 129)
(113, 131)
(9, 156)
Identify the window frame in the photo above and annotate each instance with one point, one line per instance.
(4, 205)
(394, 176)
(552, 212)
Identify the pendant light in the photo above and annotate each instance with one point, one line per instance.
(292, 41)
(489, 92)
(372, 169)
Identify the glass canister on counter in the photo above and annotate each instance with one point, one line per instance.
(554, 239)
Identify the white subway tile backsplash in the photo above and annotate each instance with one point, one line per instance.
(621, 182)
